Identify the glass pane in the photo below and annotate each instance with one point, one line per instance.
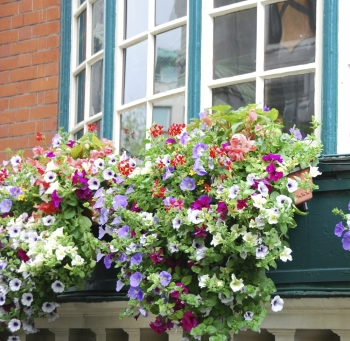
(238, 95)
(169, 111)
(82, 1)
(290, 33)
(80, 96)
(97, 26)
(219, 3)
(96, 87)
(82, 37)
(135, 72)
(133, 130)
(293, 96)
(167, 10)
(170, 59)
(136, 17)
(235, 43)
(79, 134)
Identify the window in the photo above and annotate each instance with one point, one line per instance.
(265, 52)
(151, 62)
(87, 65)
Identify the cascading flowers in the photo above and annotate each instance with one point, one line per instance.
(196, 223)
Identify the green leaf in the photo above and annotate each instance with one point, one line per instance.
(69, 213)
(283, 228)
(272, 115)
(71, 200)
(222, 108)
(186, 280)
(85, 222)
(77, 233)
(76, 151)
(298, 212)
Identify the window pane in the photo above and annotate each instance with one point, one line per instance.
(290, 34)
(80, 96)
(135, 72)
(170, 61)
(169, 111)
(133, 130)
(238, 95)
(79, 134)
(136, 17)
(167, 10)
(293, 96)
(219, 3)
(82, 1)
(82, 37)
(97, 27)
(235, 43)
(96, 87)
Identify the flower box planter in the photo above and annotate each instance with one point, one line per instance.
(320, 266)
(301, 195)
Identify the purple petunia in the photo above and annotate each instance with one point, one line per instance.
(55, 199)
(136, 293)
(198, 150)
(202, 202)
(346, 241)
(198, 168)
(5, 206)
(135, 279)
(15, 192)
(296, 133)
(104, 216)
(123, 232)
(339, 229)
(272, 157)
(164, 278)
(108, 262)
(136, 259)
(188, 184)
(56, 141)
(120, 201)
(119, 285)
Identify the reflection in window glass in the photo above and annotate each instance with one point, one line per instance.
(235, 43)
(80, 96)
(135, 72)
(136, 17)
(290, 34)
(219, 3)
(99, 130)
(82, 37)
(169, 111)
(238, 95)
(168, 10)
(96, 87)
(170, 60)
(133, 130)
(97, 26)
(293, 96)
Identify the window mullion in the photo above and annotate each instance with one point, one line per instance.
(150, 59)
(260, 47)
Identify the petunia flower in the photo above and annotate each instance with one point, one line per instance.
(164, 278)
(277, 304)
(339, 229)
(135, 279)
(187, 184)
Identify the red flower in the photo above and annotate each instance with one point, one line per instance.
(3, 174)
(176, 129)
(47, 208)
(156, 256)
(92, 127)
(156, 130)
(22, 255)
(159, 326)
(39, 136)
(188, 321)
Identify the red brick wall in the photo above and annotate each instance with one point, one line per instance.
(29, 70)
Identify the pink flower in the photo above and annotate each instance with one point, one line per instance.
(239, 145)
(253, 115)
(38, 150)
(188, 321)
(159, 326)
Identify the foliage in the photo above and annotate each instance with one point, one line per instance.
(196, 223)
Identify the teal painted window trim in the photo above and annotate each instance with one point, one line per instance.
(330, 77)
(194, 58)
(64, 83)
(108, 71)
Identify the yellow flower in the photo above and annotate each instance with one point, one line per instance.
(21, 197)
(192, 172)
(200, 182)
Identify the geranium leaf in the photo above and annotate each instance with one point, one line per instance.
(186, 280)
(76, 151)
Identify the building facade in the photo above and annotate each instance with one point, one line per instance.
(126, 64)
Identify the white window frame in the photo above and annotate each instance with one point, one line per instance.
(87, 64)
(208, 83)
(122, 44)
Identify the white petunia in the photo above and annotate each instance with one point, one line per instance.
(233, 191)
(277, 304)
(203, 280)
(194, 216)
(14, 231)
(15, 284)
(250, 238)
(94, 184)
(77, 260)
(14, 325)
(99, 163)
(48, 220)
(286, 254)
(314, 171)
(262, 188)
(261, 252)
(248, 315)
(259, 201)
(2, 299)
(50, 176)
(49, 307)
(15, 160)
(236, 284)
(292, 185)
(27, 299)
(176, 223)
(108, 174)
(60, 252)
(273, 215)
(57, 286)
(217, 239)
(283, 201)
